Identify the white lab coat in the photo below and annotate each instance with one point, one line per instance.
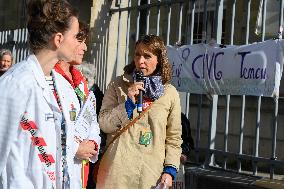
(67, 97)
(68, 100)
(24, 89)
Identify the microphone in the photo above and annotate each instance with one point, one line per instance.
(139, 78)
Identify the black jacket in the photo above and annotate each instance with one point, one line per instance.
(188, 143)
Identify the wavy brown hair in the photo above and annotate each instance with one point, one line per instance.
(158, 48)
(83, 31)
(46, 18)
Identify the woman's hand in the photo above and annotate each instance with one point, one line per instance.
(166, 181)
(133, 90)
(86, 150)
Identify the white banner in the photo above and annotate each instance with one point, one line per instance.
(253, 69)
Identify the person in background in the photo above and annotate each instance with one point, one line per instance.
(187, 140)
(88, 148)
(99, 98)
(148, 153)
(187, 145)
(32, 134)
(6, 60)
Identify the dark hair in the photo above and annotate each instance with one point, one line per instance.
(45, 18)
(83, 31)
(158, 48)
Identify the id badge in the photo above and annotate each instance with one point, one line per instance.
(145, 137)
(72, 113)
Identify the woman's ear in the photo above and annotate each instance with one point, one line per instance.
(58, 38)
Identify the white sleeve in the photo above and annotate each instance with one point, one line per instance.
(95, 135)
(13, 100)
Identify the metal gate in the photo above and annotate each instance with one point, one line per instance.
(245, 136)
(222, 140)
(16, 41)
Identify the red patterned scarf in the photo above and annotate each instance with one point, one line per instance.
(80, 86)
(78, 81)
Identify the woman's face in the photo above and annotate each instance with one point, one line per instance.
(5, 62)
(68, 49)
(145, 60)
(79, 53)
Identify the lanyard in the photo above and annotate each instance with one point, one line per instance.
(65, 173)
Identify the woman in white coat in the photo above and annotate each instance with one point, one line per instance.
(78, 83)
(31, 118)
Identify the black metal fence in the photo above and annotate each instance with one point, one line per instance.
(230, 140)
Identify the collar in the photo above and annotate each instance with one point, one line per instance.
(127, 77)
(59, 70)
(37, 71)
(78, 81)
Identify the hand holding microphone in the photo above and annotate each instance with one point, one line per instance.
(139, 78)
(135, 89)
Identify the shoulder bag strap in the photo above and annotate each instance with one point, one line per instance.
(128, 126)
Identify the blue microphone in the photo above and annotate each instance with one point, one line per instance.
(139, 78)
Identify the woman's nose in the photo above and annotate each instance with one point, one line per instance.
(85, 46)
(141, 60)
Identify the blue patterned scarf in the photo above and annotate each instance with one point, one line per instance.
(153, 86)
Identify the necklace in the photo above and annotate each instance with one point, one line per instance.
(65, 174)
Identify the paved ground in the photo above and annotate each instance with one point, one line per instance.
(197, 177)
(267, 183)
